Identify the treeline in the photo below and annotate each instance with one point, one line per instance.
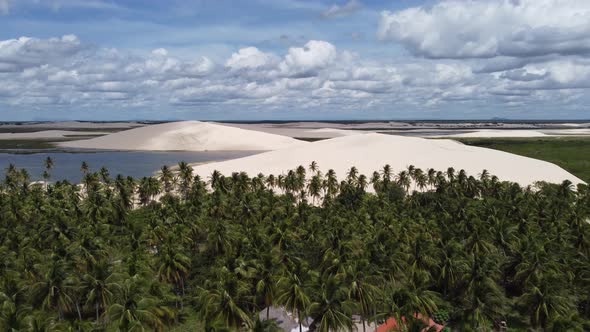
(178, 251)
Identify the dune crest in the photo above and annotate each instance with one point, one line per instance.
(370, 152)
(187, 136)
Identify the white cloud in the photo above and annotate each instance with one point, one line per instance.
(307, 60)
(486, 29)
(251, 58)
(160, 52)
(16, 54)
(348, 8)
(65, 73)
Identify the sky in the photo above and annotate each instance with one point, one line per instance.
(294, 59)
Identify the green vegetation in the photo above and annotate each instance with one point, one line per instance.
(26, 144)
(37, 144)
(183, 253)
(570, 153)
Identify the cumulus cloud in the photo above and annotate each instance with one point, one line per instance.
(344, 10)
(307, 60)
(251, 58)
(486, 29)
(17, 54)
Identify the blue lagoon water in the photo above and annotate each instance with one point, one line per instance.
(128, 163)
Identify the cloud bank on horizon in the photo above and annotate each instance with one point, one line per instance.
(295, 59)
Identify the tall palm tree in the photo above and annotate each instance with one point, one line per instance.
(99, 285)
(104, 175)
(292, 294)
(266, 287)
(54, 289)
(48, 167)
(545, 300)
(173, 267)
(332, 311)
(134, 309)
(225, 301)
(185, 176)
(314, 187)
(84, 168)
(331, 184)
(361, 291)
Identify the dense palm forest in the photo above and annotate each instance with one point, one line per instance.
(181, 252)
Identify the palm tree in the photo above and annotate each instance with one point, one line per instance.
(47, 173)
(313, 167)
(314, 187)
(99, 286)
(224, 301)
(386, 173)
(167, 178)
(84, 168)
(376, 181)
(352, 175)
(483, 300)
(134, 309)
(411, 296)
(333, 309)
(331, 184)
(404, 180)
(266, 287)
(104, 175)
(186, 176)
(292, 294)
(361, 291)
(149, 187)
(173, 267)
(546, 301)
(53, 291)
(271, 181)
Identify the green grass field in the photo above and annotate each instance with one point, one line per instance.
(570, 153)
(25, 144)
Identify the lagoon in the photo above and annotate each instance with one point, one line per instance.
(128, 163)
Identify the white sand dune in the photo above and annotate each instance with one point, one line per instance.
(580, 125)
(370, 152)
(48, 134)
(489, 133)
(187, 136)
(499, 133)
(567, 132)
(293, 130)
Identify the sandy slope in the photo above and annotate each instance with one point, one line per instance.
(48, 134)
(293, 130)
(187, 136)
(370, 152)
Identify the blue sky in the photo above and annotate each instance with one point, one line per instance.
(294, 59)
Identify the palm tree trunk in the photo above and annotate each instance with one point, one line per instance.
(78, 310)
(96, 309)
(363, 320)
(299, 318)
(182, 297)
(267, 312)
